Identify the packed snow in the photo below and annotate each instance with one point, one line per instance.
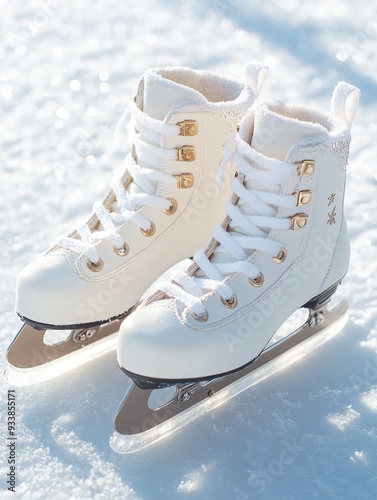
(67, 70)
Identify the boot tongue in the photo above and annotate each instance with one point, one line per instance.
(162, 94)
(274, 134)
(156, 97)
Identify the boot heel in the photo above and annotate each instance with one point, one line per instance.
(322, 298)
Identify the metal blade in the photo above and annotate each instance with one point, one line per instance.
(28, 349)
(138, 425)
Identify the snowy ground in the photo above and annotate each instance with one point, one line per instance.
(66, 70)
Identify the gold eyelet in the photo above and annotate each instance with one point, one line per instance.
(184, 181)
(280, 256)
(303, 197)
(305, 167)
(186, 153)
(299, 221)
(123, 251)
(173, 207)
(231, 303)
(188, 128)
(150, 231)
(258, 281)
(95, 267)
(201, 319)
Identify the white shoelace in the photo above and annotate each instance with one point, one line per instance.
(142, 128)
(251, 218)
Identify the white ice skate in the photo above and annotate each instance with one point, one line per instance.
(283, 246)
(163, 206)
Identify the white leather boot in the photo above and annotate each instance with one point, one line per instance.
(162, 206)
(282, 246)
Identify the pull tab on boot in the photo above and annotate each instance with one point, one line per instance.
(344, 103)
(254, 74)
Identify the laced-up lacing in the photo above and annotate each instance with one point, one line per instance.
(142, 128)
(244, 232)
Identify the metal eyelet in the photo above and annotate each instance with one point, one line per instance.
(173, 207)
(305, 167)
(303, 197)
(280, 256)
(122, 251)
(201, 319)
(150, 231)
(95, 267)
(258, 281)
(184, 181)
(186, 153)
(188, 128)
(231, 303)
(299, 221)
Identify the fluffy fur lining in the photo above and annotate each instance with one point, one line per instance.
(213, 87)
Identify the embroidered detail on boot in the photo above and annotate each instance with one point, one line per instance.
(332, 216)
(331, 199)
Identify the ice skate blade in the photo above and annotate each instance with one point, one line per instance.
(32, 360)
(138, 426)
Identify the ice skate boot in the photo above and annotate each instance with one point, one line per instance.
(162, 206)
(282, 246)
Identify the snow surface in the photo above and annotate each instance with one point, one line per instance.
(66, 70)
